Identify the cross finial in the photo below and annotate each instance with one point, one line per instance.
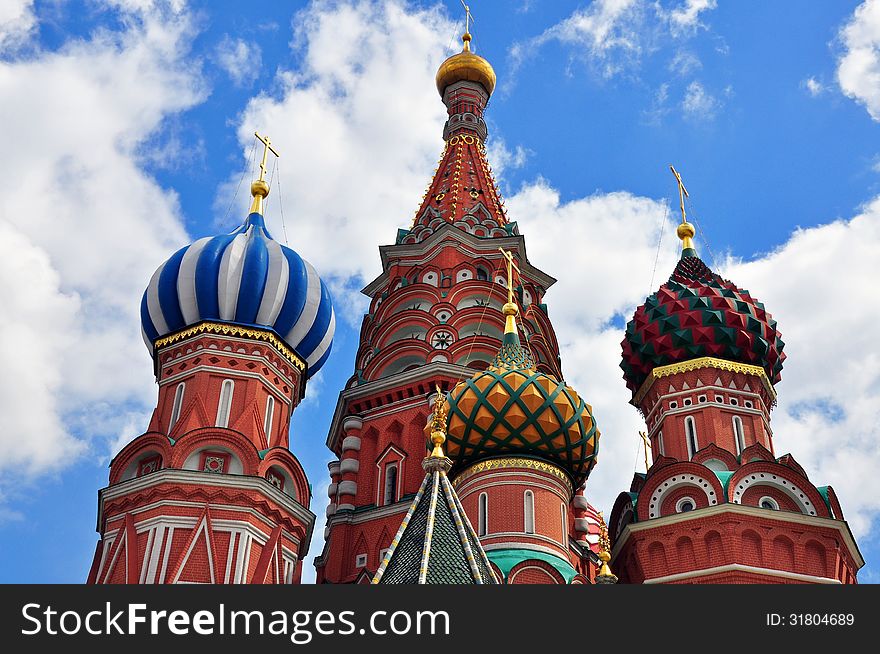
(259, 188)
(685, 230)
(682, 192)
(510, 310)
(647, 445)
(468, 17)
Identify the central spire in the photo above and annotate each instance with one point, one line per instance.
(463, 191)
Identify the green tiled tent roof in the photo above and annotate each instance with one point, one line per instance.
(436, 543)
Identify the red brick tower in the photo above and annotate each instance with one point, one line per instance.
(434, 319)
(211, 492)
(717, 505)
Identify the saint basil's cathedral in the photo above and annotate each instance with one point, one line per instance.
(460, 453)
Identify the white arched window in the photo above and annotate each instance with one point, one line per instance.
(225, 403)
(738, 434)
(390, 484)
(483, 515)
(529, 506)
(178, 403)
(690, 430)
(270, 414)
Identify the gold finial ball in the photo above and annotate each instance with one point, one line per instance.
(604, 556)
(466, 37)
(510, 309)
(685, 230)
(260, 187)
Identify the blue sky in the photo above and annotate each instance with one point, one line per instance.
(127, 128)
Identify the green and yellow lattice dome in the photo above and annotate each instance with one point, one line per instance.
(512, 409)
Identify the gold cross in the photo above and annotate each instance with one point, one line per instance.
(511, 265)
(468, 17)
(647, 447)
(682, 193)
(266, 148)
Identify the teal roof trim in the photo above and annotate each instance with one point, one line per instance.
(263, 454)
(506, 559)
(724, 478)
(823, 491)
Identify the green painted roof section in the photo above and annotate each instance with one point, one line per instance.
(823, 491)
(724, 478)
(435, 534)
(263, 453)
(688, 252)
(507, 558)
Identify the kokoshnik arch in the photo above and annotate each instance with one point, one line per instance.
(457, 338)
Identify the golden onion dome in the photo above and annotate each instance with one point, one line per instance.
(466, 66)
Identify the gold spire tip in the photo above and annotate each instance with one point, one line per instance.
(605, 575)
(260, 188)
(510, 309)
(437, 425)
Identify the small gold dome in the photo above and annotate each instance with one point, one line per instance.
(466, 66)
(685, 230)
(259, 188)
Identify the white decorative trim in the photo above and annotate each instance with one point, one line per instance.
(679, 505)
(345, 507)
(773, 502)
(368, 515)
(738, 567)
(580, 502)
(769, 479)
(351, 443)
(349, 465)
(582, 525)
(348, 487)
(534, 567)
(678, 481)
(352, 423)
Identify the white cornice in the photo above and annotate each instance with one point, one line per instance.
(737, 567)
(481, 245)
(352, 518)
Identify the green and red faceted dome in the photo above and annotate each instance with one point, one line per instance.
(697, 314)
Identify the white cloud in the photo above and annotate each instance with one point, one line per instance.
(820, 286)
(359, 129)
(698, 103)
(240, 60)
(858, 68)
(84, 227)
(686, 18)
(614, 35)
(813, 86)
(684, 63)
(17, 23)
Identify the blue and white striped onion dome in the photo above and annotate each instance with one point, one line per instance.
(243, 278)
